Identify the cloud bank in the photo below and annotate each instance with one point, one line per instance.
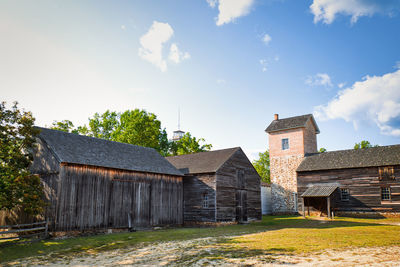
(375, 98)
(327, 10)
(229, 10)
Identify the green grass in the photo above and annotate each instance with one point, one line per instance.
(275, 234)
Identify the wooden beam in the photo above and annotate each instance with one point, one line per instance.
(302, 207)
(329, 206)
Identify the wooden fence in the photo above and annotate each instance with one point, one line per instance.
(23, 232)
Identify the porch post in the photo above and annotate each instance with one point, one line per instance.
(302, 207)
(329, 206)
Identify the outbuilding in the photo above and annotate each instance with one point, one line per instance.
(220, 185)
(94, 183)
(362, 181)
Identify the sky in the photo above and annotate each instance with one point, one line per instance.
(227, 65)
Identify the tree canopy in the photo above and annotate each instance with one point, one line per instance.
(363, 144)
(137, 127)
(18, 187)
(188, 144)
(262, 166)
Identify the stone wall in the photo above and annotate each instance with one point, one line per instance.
(284, 183)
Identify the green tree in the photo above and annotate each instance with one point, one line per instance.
(18, 187)
(137, 127)
(188, 144)
(262, 166)
(164, 143)
(322, 150)
(64, 125)
(363, 144)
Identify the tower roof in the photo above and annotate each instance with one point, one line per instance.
(291, 123)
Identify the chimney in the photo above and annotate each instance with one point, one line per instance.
(276, 117)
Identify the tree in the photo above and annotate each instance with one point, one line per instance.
(322, 150)
(64, 125)
(18, 187)
(137, 127)
(262, 166)
(363, 144)
(188, 144)
(164, 143)
(104, 125)
(140, 128)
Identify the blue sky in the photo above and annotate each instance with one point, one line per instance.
(228, 65)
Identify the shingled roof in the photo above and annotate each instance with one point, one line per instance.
(203, 162)
(320, 191)
(344, 159)
(79, 149)
(291, 123)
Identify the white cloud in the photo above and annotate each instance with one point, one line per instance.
(320, 79)
(266, 39)
(229, 10)
(123, 27)
(176, 55)
(276, 58)
(326, 10)
(375, 98)
(397, 65)
(264, 64)
(152, 44)
(341, 85)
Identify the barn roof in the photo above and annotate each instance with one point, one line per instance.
(319, 191)
(203, 162)
(79, 149)
(291, 123)
(344, 159)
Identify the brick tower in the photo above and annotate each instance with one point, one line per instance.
(290, 139)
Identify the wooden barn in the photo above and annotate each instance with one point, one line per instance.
(94, 183)
(351, 181)
(219, 185)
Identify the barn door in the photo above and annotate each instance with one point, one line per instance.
(241, 206)
(130, 204)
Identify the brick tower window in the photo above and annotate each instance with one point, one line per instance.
(285, 143)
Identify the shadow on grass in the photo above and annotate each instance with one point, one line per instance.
(99, 243)
(222, 254)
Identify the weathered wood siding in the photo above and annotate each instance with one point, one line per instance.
(228, 187)
(94, 197)
(86, 197)
(194, 187)
(364, 186)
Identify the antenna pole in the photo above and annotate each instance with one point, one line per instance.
(179, 119)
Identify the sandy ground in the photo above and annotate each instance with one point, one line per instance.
(207, 252)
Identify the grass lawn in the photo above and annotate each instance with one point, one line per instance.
(275, 234)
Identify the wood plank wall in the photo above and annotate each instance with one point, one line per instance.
(364, 186)
(228, 184)
(88, 197)
(194, 187)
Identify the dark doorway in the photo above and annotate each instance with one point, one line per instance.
(241, 206)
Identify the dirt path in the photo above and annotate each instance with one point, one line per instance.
(208, 252)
